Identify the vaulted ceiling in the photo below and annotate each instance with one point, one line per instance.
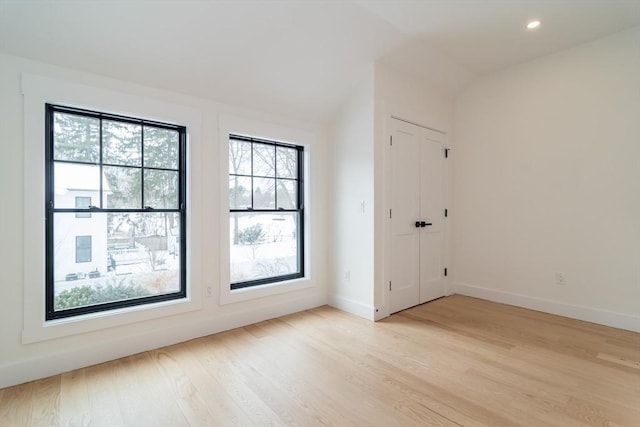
(298, 58)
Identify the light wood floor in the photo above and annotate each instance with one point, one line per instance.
(455, 361)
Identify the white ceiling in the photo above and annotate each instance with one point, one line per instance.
(297, 58)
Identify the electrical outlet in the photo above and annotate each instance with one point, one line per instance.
(560, 279)
(209, 291)
(347, 276)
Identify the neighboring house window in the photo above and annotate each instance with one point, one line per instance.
(83, 203)
(131, 174)
(83, 249)
(266, 211)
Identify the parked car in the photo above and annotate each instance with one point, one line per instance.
(74, 276)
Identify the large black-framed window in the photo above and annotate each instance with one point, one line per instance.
(115, 200)
(266, 211)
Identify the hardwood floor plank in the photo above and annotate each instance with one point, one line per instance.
(457, 361)
(197, 399)
(44, 411)
(233, 377)
(102, 391)
(16, 404)
(144, 396)
(74, 406)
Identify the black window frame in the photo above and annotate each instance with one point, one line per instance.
(50, 109)
(300, 208)
(80, 249)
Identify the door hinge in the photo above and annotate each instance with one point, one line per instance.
(446, 153)
(389, 284)
(389, 213)
(445, 272)
(446, 213)
(391, 140)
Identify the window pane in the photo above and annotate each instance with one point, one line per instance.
(131, 256)
(287, 162)
(123, 187)
(263, 245)
(287, 194)
(83, 203)
(83, 249)
(72, 180)
(121, 143)
(264, 195)
(239, 157)
(264, 157)
(76, 138)
(160, 148)
(161, 189)
(239, 192)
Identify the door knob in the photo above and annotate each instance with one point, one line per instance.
(422, 224)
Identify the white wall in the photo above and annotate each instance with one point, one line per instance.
(421, 102)
(21, 362)
(360, 139)
(353, 174)
(547, 180)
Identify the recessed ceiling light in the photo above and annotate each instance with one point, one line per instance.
(531, 25)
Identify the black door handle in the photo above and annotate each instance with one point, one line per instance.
(422, 224)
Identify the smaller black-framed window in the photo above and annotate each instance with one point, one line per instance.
(83, 249)
(83, 203)
(266, 211)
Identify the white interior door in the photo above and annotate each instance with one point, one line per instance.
(431, 212)
(416, 250)
(405, 210)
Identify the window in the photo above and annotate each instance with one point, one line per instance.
(266, 211)
(83, 249)
(119, 182)
(83, 203)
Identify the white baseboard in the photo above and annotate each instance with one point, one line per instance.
(66, 360)
(580, 312)
(352, 306)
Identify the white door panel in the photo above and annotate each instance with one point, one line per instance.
(405, 259)
(405, 209)
(416, 194)
(431, 267)
(432, 212)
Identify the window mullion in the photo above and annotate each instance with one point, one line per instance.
(101, 177)
(275, 174)
(252, 177)
(142, 198)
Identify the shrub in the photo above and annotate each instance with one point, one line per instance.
(89, 295)
(251, 235)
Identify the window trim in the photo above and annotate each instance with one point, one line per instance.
(300, 208)
(50, 110)
(229, 124)
(38, 90)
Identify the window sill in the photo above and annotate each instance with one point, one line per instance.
(59, 328)
(228, 296)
